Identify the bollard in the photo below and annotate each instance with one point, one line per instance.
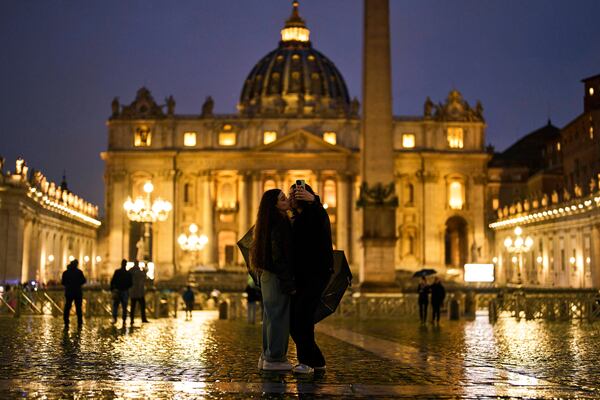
(454, 310)
(223, 310)
(492, 311)
(470, 305)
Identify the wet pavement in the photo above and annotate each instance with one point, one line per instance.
(209, 358)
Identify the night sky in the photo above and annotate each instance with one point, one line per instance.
(64, 61)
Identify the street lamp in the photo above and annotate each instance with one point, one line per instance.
(192, 243)
(518, 246)
(146, 211)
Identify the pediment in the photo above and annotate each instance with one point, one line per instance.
(302, 141)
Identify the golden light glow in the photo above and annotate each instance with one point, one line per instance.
(295, 34)
(591, 91)
(98, 259)
(539, 259)
(591, 132)
(329, 193)
(479, 272)
(456, 195)
(408, 140)
(142, 137)
(148, 187)
(455, 137)
(572, 260)
(227, 139)
(558, 146)
(189, 139)
(50, 258)
(330, 137)
(269, 137)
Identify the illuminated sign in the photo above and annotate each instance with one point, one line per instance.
(479, 272)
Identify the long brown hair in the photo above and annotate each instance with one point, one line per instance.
(268, 215)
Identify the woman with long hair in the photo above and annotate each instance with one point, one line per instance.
(270, 256)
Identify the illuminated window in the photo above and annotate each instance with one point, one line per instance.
(227, 198)
(329, 193)
(269, 137)
(455, 195)
(455, 137)
(142, 137)
(227, 139)
(591, 132)
(558, 146)
(591, 91)
(189, 139)
(330, 137)
(408, 140)
(269, 184)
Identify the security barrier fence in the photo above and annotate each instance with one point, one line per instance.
(519, 303)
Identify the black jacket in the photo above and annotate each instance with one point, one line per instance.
(280, 257)
(72, 280)
(121, 280)
(312, 246)
(438, 293)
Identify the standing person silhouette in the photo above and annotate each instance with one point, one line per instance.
(270, 256)
(438, 293)
(138, 291)
(313, 266)
(119, 285)
(72, 280)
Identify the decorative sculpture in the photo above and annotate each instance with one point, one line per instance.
(428, 108)
(170, 102)
(207, 107)
(115, 107)
(378, 195)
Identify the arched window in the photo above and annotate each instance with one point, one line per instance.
(329, 193)
(227, 196)
(456, 195)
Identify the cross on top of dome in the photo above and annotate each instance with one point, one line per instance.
(295, 29)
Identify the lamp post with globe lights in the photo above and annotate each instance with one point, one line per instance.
(146, 211)
(518, 246)
(192, 243)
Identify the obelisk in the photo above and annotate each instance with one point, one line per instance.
(378, 199)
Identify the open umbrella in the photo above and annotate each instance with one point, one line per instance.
(244, 244)
(335, 289)
(424, 272)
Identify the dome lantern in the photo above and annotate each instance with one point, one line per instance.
(295, 29)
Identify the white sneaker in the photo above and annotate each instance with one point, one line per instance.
(261, 362)
(303, 369)
(276, 365)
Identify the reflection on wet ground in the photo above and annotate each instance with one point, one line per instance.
(209, 358)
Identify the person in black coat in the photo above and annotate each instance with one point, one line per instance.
(438, 293)
(119, 286)
(72, 280)
(312, 261)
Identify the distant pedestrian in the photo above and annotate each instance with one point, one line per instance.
(423, 291)
(189, 299)
(72, 280)
(138, 290)
(119, 285)
(253, 293)
(438, 293)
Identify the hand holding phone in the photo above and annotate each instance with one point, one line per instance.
(300, 184)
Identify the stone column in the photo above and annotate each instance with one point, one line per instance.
(343, 201)
(163, 232)
(377, 200)
(244, 204)
(256, 194)
(208, 225)
(595, 266)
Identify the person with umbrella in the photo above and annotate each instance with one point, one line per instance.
(313, 266)
(423, 291)
(270, 256)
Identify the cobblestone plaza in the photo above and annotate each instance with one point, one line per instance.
(212, 358)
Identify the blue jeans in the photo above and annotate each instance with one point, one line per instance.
(276, 318)
(120, 297)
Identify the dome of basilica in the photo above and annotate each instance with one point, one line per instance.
(295, 79)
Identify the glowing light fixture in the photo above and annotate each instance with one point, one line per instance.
(330, 137)
(295, 29)
(193, 242)
(456, 196)
(144, 210)
(50, 258)
(269, 137)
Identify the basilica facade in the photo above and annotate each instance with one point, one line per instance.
(295, 120)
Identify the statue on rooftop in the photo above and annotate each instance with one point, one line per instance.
(207, 107)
